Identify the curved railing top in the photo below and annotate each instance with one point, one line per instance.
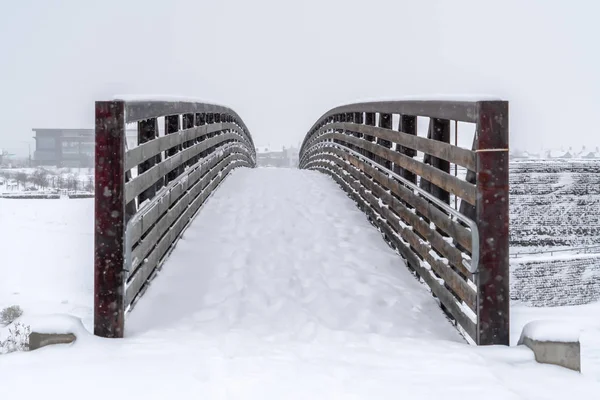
(138, 108)
(457, 108)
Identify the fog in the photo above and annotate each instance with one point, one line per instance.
(280, 64)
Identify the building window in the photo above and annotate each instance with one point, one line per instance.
(45, 143)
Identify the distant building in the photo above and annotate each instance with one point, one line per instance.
(284, 158)
(74, 148)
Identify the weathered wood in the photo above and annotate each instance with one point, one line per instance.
(172, 127)
(492, 215)
(147, 217)
(147, 131)
(448, 182)
(151, 224)
(171, 164)
(435, 240)
(332, 146)
(409, 143)
(146, 109)
(385, 122)
(385, 184)
(177, 224)
(145, 151)
(170, 209)
(465, 111)
(188, 123)
(109, 233)
(439, 131)
(409, 198)
(159, 252)
(445, 297)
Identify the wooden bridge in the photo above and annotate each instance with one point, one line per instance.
(451, 231)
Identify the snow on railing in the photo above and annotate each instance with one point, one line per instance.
(405, 183)
(147, 195)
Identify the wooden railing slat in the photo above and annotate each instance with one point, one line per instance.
(460, 251)
(143, 181)
(454, 185)
(145, 151)
(446, 298)
(457, 283)
(143, 273)
(150, 224)
(454, 154)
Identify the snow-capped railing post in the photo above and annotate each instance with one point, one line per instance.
(492, 218)
(109, 233)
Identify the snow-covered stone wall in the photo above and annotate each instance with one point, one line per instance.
(555, 205)
(560, 281)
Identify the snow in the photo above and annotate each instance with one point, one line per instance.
(161, 97)
(551, 331)
(57, 323)
(436, 97)
(280, 289)
(46, 255)
(329, 279)
(583, 318)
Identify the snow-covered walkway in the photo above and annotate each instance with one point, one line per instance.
(280, 289)
(285, 253)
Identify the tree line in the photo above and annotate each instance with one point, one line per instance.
(41, 178)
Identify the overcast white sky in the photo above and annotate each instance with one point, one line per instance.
(281, 64)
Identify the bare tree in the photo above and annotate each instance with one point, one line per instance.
(89, 186)
(72, 182)
(21, 178)
(40, 178)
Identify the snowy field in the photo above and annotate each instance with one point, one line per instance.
(280, 289)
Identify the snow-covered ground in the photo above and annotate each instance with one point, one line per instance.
(279, 289)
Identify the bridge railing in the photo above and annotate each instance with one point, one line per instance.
(460, 252)
(147, 195)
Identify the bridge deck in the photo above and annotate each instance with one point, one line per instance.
(286, 253)
(279, 289)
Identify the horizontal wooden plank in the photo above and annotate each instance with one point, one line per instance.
(147, 150)
(445, 296)
(159, 254)
(173, 206)
(146, 217)
(138, 110)
(444, 151)
(464, 111)
(452, 279)
(143, 181)
(450, 183)
(141, 275)
(437, 241)
(454, 229)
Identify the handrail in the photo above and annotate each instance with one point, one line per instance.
(141, 109)
(459, 110)
(471, 267)
(146, 196)
(462, 254)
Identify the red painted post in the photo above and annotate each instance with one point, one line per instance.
(109, 234)
(492, 218)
